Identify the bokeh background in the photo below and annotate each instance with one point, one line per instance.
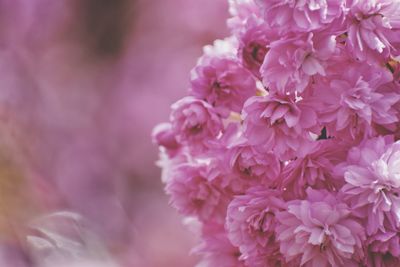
(83, 82)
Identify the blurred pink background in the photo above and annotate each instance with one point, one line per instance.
(83, 82)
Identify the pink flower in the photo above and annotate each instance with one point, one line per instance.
(164, 136)
(195, 191)
(194, 122)
(253, 44)
(169, 160)
(216, 248)
(290, 63)
(251, 226)
(221, 48)
(240, 11)
(301, 16)
(223, 83)
(351, 101)
(252, 165)
(394, 67)
(372, 178)
(221, 157)
(385, 243)
(320, 231)
(381, 260)
(372, 27)
(278, 123)
(313, 170)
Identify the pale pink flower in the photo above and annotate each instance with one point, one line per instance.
(301, 16)
(240, 11)
(220, 48)
(372, 28)
(194, 121)
(372, 178)
(320, 231)
(278, 123)
(251, 223)
(290, 63)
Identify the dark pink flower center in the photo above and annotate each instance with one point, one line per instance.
(261, 223)
(196, 129)
(255, 53)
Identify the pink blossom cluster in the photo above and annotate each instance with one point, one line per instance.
(286, 150)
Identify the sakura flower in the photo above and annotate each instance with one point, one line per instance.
(217, 249)
(253, 42)
(373, 27)
(382, 260)
(225, 48)
(301, 16)
(389, 128)
(278, 123)
(352, 101)
(394, 67)
(253, 165)
(313, 170)
(320, 231)
(164, 136)
(223, 83)
(194, 192)
(385, 242)
(194, 121)
(290, 63)
(240, 11)
(372, 182)
(251, 226)
(226, 151)
(169, 160)
(302, 169)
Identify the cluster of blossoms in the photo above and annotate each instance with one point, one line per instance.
(287, 150)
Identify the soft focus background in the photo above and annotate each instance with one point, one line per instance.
(83, 82)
